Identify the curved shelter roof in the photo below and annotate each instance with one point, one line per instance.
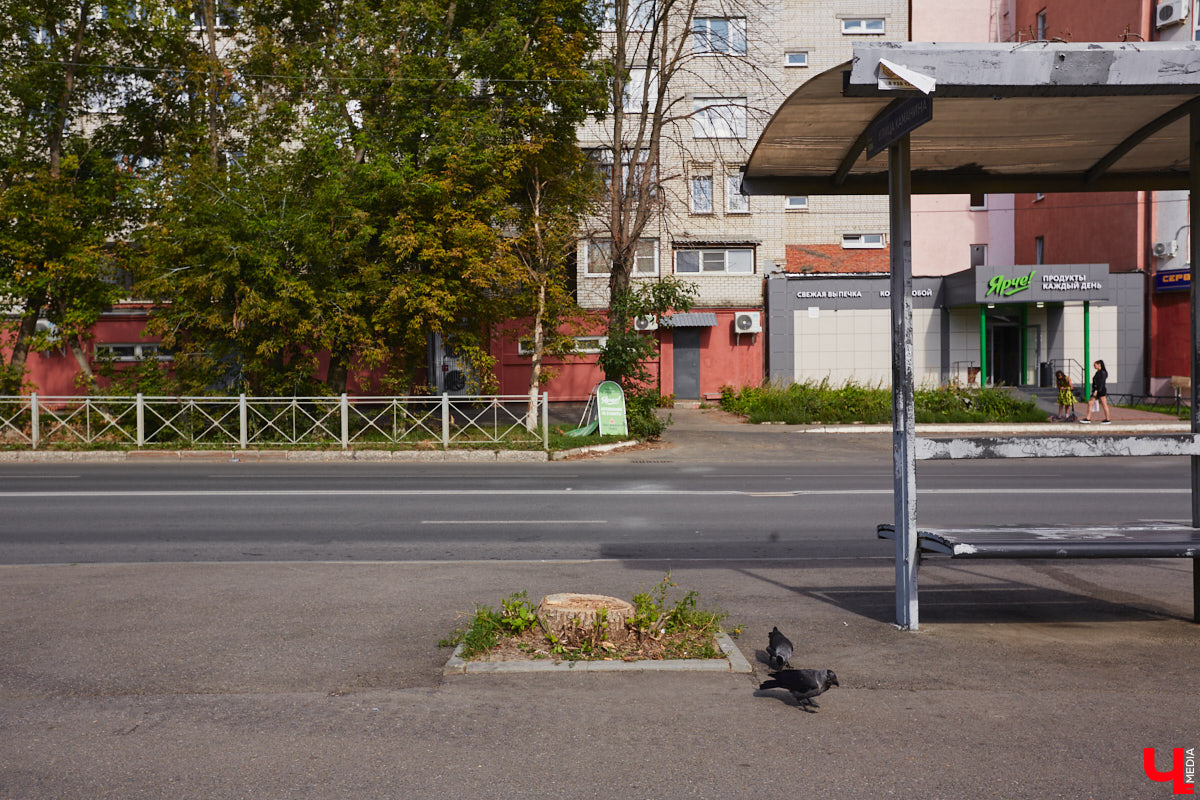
(1031, 117)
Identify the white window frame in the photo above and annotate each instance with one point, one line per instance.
(859, 26)
(795, 202)
(705, 42)
(719, 117)
(735, 201)
(716, 260)
(700, 201)
(645, 263)
(793, 59)
(141, 351)
(584, 345)
(635, 88)
(863, 241)
(641, 16)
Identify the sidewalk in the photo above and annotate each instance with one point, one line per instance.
(325, 681)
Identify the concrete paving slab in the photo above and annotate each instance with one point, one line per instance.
(1027, 680)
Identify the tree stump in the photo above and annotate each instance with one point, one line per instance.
(558, 612)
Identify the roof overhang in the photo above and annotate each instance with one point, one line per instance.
(1033, 117)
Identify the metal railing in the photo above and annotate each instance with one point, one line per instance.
(468, 421)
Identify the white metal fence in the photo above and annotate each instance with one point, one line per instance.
(244, 422)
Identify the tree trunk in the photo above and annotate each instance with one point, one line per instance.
(561, 613)
(539, 347)
(338, 374)
(85, 367)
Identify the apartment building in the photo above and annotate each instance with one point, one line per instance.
(736, 65)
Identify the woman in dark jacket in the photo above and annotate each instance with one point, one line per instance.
(1099, 393)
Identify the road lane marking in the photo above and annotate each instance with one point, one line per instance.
(1055, 491)
(514, 522)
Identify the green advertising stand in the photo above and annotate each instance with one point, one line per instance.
(610, 408)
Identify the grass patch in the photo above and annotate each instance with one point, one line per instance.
(665, 624)
(820, 402)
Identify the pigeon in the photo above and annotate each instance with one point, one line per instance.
(779, 649)
(804, 684)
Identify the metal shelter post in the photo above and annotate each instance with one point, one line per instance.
(904, 465)
(1194, 258)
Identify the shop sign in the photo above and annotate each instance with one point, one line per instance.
(1177, 280)
(610, 408)
(1055, 284)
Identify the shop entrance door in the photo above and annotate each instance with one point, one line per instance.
(1004, 351)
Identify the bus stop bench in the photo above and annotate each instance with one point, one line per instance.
(1139, 540)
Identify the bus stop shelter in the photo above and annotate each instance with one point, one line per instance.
(980, 118)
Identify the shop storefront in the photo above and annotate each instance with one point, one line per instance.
(995, 325)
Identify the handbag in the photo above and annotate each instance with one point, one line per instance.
(1095, 405)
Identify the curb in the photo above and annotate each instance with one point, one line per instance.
(1029, 428)
(559, 455)
(734, 662)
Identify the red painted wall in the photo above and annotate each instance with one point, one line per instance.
(1086, 20)
(725, 360)
(1106, 228)
(54, 372)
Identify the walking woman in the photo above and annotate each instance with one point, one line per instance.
(1066, 396)
(1099, 393)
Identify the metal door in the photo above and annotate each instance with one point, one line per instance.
(687, 363)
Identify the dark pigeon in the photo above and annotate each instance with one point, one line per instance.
(779, 649)
(804, 684)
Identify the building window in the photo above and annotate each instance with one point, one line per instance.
(132, 352)
(584, 345)
(796, 202)
(1041, 25)
(719, 36)
(719, 117)
(861, 241)
(224, 16)
(735, 201)
(702, 193)
(602, 157)
(978, 201)
(599, 257)
(872, 25)
(640, 15)
(1039, 250)
(978, 255)
(635, 90)
(795, 58)
(733, 261)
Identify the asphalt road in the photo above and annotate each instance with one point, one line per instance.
(822, 500)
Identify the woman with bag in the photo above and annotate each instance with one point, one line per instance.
(1099, 393)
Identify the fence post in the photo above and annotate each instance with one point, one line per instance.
(34, 416)
(141, 420)
(545, 420)
(243, 422)
(345, 422)
(445, 421)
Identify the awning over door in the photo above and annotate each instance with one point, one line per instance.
(695, 319)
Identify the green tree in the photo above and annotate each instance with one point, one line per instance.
(377, 154)
(627, 350)
(73, 131)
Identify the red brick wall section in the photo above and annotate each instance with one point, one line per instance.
(835, 258)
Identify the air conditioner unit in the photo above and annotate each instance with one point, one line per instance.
(747, 322)
(649, 323)
(1170, 12)
(49, 328)
(1166, 249)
